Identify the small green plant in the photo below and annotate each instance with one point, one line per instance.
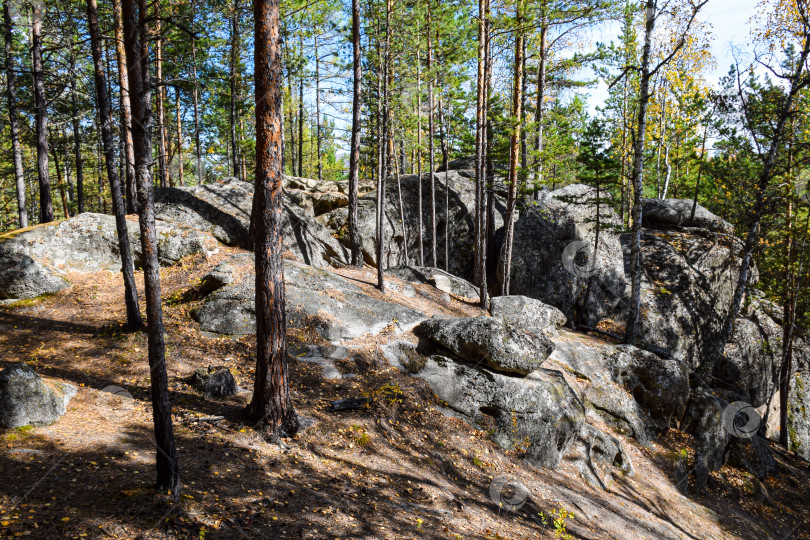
(362, 438)
(556, 519)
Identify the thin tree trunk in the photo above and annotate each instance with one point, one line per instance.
(11, 88)
(700, 172)
(401, 212)
(160, 100)
(77, 137)
(541, 95)
(234, 61)
(301, 114)
(419, 149)
(623, 213)
(136, 32)
(59, 183)
(318, 108)
(195, 99)
(354, 157)
(271, 405)
(179, 127)
(134, 321)
(514, 151)
(382, 168)
(126, 108)
(446, 164)
(40, 104)
(631, 329)
(431, 152)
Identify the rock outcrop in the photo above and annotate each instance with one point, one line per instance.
(28, 400)
(548, 266)
(402, 243)
(688, 280)
(444, 281)
(489, 341)
(333, 306)
(669, 213)
(224, 209)
(36, 261)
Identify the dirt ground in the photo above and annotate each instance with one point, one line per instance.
(402, 467)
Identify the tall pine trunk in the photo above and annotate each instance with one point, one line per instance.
(271, 405)
(354, 157)
(419, 150)
(160, 101)
(514, 150)
(41, 114)
(134, 321)
(318, 108)
(77, 137)
(538, 111)
(480, 157)
(631, 329)
(234, 66)
(431, 150)
(11, 88)
(136, 39)
(179, 128)
(195, 99)
(126, 108)
(382, 166)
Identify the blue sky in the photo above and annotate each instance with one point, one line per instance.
(729, 25)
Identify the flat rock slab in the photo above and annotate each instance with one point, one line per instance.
(489, 341)
(35, 261)
(541, 414)
(444, 281)
(667, 213)
(527, 313)
(28, 400)
(336, 308)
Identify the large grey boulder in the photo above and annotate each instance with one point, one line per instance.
(444, 281)
(36, 261)
(316, 202)
(752, 359)
(636, 392)
(461, 199)
(669, 213)
(26, 399)
(526, 312)
(224, 209)
(687, 283)
(540, 414)
(489, 341)
(333, 306)
(547, 266)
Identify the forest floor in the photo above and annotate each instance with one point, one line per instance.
(401, 467)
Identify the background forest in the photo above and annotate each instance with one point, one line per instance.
(704, 140)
